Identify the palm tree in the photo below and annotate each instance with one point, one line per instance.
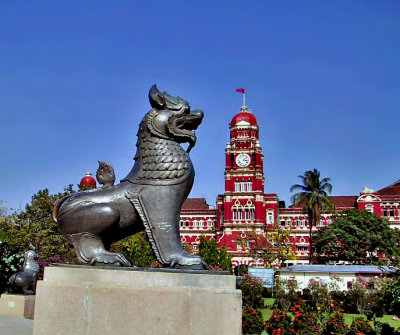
(314, 198)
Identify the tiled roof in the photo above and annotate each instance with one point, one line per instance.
(393, 189)
(344, 200)
(197, 204)
(338, 200)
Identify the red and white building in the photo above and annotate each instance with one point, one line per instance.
(244, 207)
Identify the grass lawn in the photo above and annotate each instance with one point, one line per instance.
(348, 318)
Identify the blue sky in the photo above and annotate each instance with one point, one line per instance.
(322, 79)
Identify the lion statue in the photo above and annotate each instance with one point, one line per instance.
(149, 198)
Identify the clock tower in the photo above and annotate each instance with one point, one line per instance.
(241, 208)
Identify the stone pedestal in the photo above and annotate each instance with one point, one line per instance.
(18, 305)
(88, 300)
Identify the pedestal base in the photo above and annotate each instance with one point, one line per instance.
(88, 300)
(18, 305)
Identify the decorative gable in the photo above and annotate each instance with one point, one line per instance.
(368, 197)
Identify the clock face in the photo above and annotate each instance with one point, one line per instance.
(243, 160)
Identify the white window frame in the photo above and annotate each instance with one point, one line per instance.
(270, 217)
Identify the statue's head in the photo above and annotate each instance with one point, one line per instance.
(31, 254)
(105, 174)
(173, 117)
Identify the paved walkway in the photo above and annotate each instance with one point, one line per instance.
(14, 325)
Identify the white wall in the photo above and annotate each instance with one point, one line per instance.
(303, 278)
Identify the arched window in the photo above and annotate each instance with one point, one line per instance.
(249, 209)
(237, 210)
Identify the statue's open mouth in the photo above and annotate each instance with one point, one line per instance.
(183, 127)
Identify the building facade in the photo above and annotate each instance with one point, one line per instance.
(244, 209)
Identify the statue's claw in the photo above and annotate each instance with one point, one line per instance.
(173, 263)
(110, 259)
(186, 261)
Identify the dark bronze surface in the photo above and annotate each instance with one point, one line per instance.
(27, 278)
(149, 198)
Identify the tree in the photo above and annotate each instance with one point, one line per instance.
(138, 248)
(35, 225)
(209, 251)
(224, 259)
(314, 197)
(391, 292)
(272, 248)
(357, 237)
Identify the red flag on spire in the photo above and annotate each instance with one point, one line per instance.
(241, 90)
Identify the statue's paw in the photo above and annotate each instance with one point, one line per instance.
(110, 259)
(188, 262)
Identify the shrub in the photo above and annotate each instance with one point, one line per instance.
(334, 325)
(318, 294)
(356, 297)
(279, 322)
(305, 321)
(391, 292)
(213, 256)
(359, 325)
(252, 289)
(285, 294)
(338, 298)
(376, 306)
(10, 263)
(368, 297)
(252, 321)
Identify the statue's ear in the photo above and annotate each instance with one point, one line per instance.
(156, 98)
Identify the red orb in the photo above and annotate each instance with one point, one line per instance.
(88, 180)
